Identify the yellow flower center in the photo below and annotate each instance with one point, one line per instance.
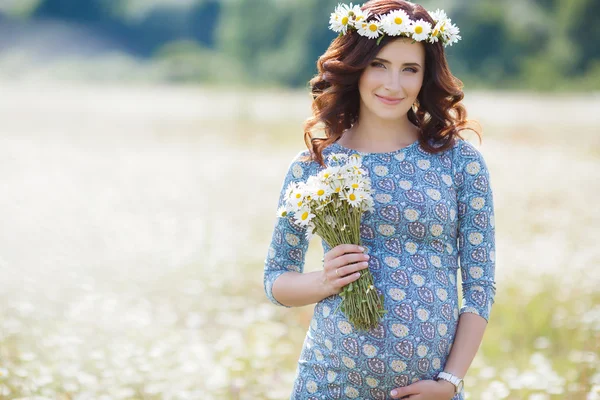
(298, 195)
(435, 32)
(419, 30)
(373, 27)
(304, 215)
(355, 186)
(326, 175)
(299, 204)
(398, 20)
(352, 196)
(359, 18)
(345, 21)
(442, 27)
(320, 192)
(337, 189)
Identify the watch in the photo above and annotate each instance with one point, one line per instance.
(455, 380)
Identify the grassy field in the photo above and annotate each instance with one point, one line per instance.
(135, 222)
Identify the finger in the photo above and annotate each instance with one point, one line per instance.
(341, 282)
(348, 259)
(351, 268)
(341, 250)
(401, 392)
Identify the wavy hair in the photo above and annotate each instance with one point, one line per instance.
(437, 112)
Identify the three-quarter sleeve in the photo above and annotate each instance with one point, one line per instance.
(476, 230)
(289, 244)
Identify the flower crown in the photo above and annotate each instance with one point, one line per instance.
(346, 18)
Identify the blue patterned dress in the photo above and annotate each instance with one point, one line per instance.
(431, 210)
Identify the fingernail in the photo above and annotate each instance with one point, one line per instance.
(361, 248)
(394, 393)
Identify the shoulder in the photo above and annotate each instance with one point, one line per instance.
(464, 152)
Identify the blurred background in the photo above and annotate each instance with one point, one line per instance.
(143, 145)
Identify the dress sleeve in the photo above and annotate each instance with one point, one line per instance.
(476, 231)
(289, 243)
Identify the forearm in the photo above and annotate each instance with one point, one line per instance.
(469, 334)
(296, 289)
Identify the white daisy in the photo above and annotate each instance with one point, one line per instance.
(371, 29)
(438, 15)
(322, 191)
(353, 198)
(396, 23)
(303, 216)
(436, 34)
(420, 30)
(340, 20)
(450, 34)
(282, 212)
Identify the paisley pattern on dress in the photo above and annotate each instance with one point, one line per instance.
(433, 218)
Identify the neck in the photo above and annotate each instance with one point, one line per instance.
(373, 134)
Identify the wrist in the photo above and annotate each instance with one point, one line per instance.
(448, 387)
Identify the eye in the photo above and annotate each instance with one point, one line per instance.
(411, 69)
(377, 64)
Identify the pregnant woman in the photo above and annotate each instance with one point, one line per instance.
(384, 92)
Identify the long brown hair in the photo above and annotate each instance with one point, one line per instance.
(438, 111)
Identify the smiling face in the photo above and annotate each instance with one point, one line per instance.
(390, 84)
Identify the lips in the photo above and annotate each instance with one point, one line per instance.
(389, 100)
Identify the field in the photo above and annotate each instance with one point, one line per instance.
(135, 221)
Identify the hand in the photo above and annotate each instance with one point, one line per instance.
(425, 390)
(342, 265)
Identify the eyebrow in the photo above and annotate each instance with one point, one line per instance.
(412, 64)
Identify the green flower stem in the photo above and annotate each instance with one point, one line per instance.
(362, 306)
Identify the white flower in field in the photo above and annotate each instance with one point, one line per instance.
(371, 29)
(303, 216)
(420, 30)
(396, 23)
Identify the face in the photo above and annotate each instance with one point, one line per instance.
(391, 82)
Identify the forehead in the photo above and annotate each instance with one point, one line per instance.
(402, 50)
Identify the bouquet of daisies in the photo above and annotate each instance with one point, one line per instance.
(330, 204)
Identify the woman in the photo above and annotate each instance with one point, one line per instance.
(384, 91)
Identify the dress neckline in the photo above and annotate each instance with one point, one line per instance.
(386, 153)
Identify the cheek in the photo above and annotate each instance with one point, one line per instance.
(413, 85)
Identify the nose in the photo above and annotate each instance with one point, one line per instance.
(393, 83)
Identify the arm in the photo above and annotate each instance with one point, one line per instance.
(296, 289)
(476, 242)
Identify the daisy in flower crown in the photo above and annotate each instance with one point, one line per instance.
(347, 18)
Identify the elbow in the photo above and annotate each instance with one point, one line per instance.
(478, 298)
(268, 283)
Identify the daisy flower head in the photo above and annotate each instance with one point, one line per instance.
(396, 23)
(303, 216)
(420, 30)
(340, 20)
(371, 29)
(438, 15)
(282, 212)
(450, 33)
(322, 191)
(353, 198)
